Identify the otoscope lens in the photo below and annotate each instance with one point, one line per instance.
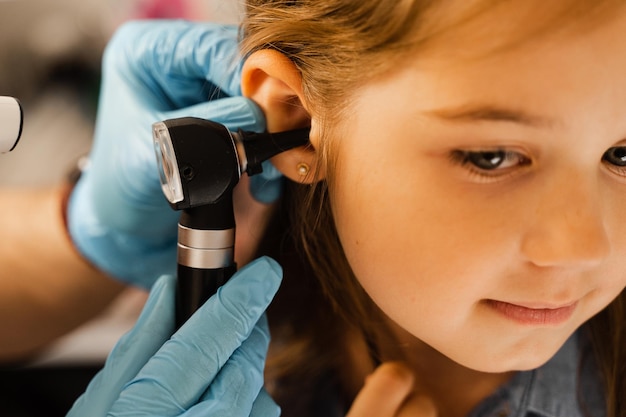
(166, 160)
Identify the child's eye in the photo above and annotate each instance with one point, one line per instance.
(489, 163)
(616, 158)
(489, 160)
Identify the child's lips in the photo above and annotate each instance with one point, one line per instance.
(534, 314)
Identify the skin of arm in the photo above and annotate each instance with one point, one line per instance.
(47, 289)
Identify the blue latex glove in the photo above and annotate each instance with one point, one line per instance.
(118, 216)
(213, 365)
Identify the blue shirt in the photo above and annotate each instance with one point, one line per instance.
(568, 385)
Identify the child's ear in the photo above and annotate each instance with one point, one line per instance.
(274, 83)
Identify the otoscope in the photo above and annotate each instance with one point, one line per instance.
(200, 162)
(11, 121)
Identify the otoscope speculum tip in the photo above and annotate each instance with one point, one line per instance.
(259, 147)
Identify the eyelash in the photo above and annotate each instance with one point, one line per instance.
(469, 161)
(614, 157)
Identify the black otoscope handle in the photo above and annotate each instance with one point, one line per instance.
(206, 239)
(195, 286)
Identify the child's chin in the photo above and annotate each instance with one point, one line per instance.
(523, 359)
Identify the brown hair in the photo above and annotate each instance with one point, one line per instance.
(338, 45)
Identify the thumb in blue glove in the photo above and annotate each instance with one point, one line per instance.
(153, 70)
(212, 366)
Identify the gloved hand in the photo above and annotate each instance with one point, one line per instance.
(212, 366)
(118, 217)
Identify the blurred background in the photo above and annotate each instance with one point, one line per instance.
(50, 54)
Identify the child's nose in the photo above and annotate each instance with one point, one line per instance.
(568, 228)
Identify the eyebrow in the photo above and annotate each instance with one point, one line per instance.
(490, 113)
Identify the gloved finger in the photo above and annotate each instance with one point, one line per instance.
(153, 327)
(264, 406)
(235, 388)
(233, 112)
(267, 186)
(189, 62)
(179, 374)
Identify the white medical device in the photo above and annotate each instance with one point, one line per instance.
(11, 121)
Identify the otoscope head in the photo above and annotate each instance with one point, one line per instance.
(200, 161)
(11, 121)
(197, 161)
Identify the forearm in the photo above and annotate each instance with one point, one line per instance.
(46, 288)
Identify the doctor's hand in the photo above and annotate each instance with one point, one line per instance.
(389, 392)
(118, 217)
(212, 366)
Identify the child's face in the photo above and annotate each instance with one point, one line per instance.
(476, 201)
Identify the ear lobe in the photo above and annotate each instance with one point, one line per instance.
(271, 80)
